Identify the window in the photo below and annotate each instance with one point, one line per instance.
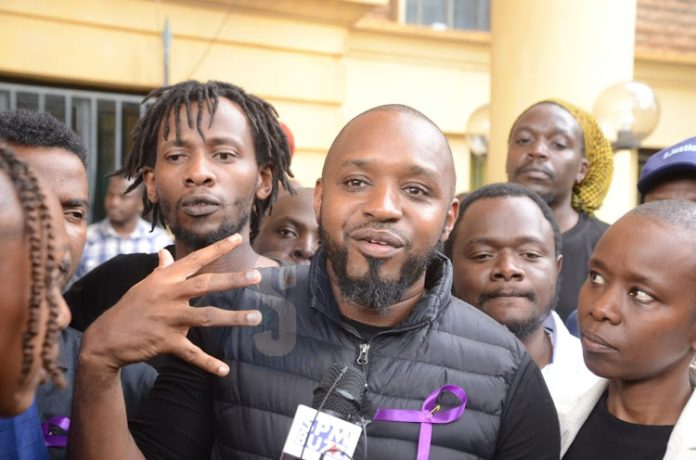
(103, 121)
(454, 14)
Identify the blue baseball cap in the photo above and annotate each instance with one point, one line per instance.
(679, 157)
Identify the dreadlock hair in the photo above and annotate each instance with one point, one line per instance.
(270, 142)
(39, 231)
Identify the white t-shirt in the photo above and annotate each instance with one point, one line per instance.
(566, 375)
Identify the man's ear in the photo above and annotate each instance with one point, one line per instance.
(150, 184)
(559, 263)
(582, 171)
(264, 182)
(317, 199)
(451, 219)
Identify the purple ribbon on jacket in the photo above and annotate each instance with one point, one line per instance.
(430, 413)
(55, 431)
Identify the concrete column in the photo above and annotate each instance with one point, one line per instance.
(570, 49)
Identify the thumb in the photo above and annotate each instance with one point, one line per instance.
(165, 258)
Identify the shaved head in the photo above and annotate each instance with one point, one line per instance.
(424, 132)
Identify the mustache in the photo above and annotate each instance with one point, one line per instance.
(536, 167)
(379, 226)
(486, 296)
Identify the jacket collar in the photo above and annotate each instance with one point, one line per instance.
(438, 284)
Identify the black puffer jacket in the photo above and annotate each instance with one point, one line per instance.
(277, 366)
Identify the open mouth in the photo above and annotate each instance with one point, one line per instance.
(377, 243)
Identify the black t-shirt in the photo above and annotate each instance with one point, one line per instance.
(177, 419)
(578, 244)
(604, 436)
(102, 287)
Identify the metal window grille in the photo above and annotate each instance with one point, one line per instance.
(102, 119)
(454, 14)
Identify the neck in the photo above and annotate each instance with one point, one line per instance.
(538, 345)
(658, 401)
(125, 228)
(565, 215)
(389, 317)
(240, 259)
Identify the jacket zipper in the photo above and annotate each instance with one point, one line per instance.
(364, 347)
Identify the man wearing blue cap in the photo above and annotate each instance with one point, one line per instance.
(670, 174)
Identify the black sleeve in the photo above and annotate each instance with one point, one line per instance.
(136, 380)
(102, 287)
(529, 424)
(175, 420)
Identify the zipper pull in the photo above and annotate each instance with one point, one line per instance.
(362, 357)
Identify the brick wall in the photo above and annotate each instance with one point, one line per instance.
(666, 26)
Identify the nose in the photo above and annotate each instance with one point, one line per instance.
(506, 268)
(383, 203)
(199, 171)
(305, 247)
(64, 315)
(538, 149)
(602, 306)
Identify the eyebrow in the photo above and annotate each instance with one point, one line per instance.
(564, 132)
(633, 276)
(75, 203)
(218, 140)
(413, 170)
(517, 241)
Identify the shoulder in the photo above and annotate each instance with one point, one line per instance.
(574, 411)
(480, 337)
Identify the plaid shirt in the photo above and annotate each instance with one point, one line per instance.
(103, 243)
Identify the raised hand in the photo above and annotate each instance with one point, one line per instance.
(154, 316)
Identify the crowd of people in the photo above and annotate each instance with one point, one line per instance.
(197, 333)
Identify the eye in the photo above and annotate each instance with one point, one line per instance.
(225, 156)
(481, 256)
(75, 215)
(560, 145)
(416, 191)
(355, 183)
(596, 279)
(523, 140)
(175, 157)
(286, 232)
(640, 295)
(531, 256)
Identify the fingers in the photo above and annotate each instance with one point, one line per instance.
(202, 284)
(212, 316)
(192, 354)
(193, 262)
(165, 258)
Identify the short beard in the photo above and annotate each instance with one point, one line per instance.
(370, 291)
(195, 241)
(523, 328)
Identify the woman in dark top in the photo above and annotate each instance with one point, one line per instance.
(637, 315)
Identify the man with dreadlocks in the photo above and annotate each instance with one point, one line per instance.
(212, 159)
(558, 151)
(32, 244)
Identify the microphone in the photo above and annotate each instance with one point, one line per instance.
(331, 428)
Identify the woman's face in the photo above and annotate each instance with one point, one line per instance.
(17, 393)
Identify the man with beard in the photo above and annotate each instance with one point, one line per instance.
(377, 295)
(212, 159)
(559, 151)
(506, 255)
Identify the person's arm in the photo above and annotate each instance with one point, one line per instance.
(529, 423)
(153, 318)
